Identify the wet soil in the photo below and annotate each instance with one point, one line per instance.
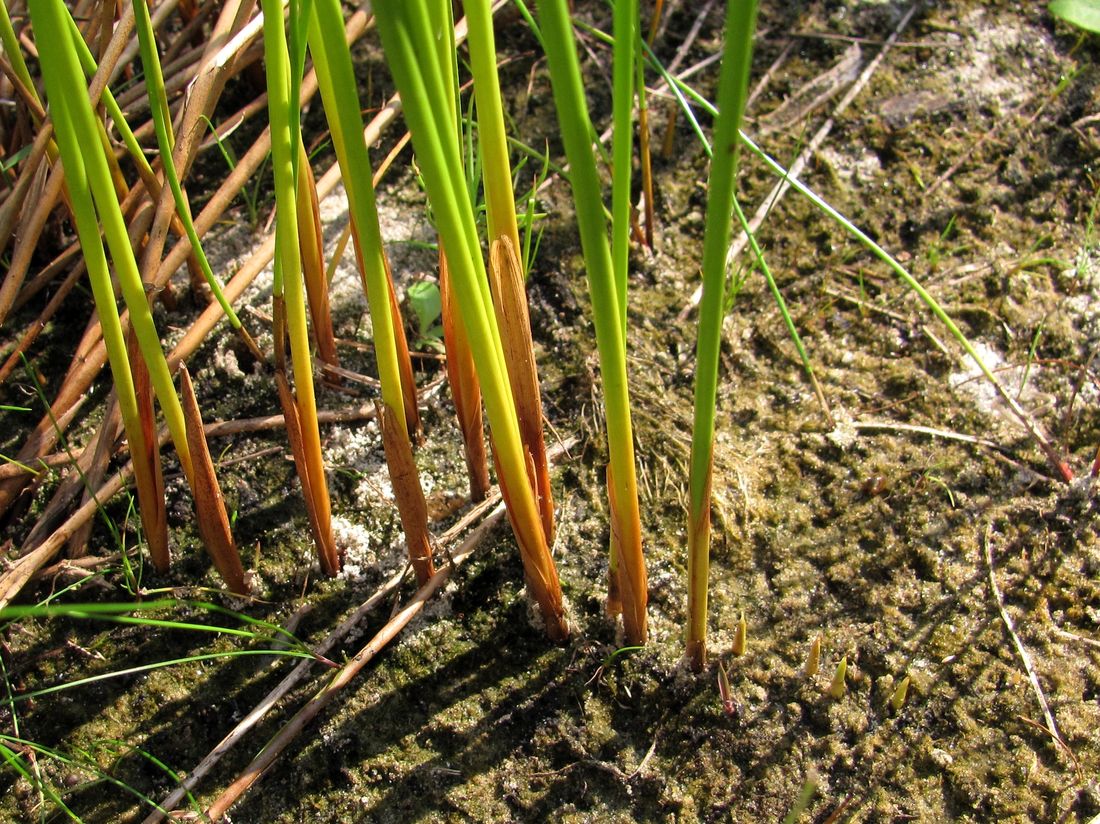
(968, 156)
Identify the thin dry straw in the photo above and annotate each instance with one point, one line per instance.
(353, 621)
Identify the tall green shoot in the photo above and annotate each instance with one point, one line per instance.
(288, 289)
(506, 272)
(336, 80)
(732, 91)
(628, 576)
(410, 38)
(94, 205)
(162, 123)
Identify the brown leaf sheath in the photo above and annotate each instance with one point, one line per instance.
(322, 537)
(319, 524)
(212, 519)
(408, 493)
(510, 305)
(626, 548)
(465, 388)
(155, 523)
(538, 566)
(313, 264)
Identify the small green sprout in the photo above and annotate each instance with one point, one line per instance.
(837, 688)
(427, 308)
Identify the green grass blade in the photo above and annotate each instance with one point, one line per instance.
(732, 91)
(158, 103)
(576, 132)
(77, 132)
(622, 104)
(336, 80)
(409, 40)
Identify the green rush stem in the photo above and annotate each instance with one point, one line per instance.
(447, 55)
(70, 97)
(158, 104)
(570, 100)
(407, 39)
(500, 202)
(732, 90)
(336, 81)
(88, 64)
(622, 106)
(576, 132)
(10, 42)
(288, 275)
(448, 68)
(65, 90)
(300, 13)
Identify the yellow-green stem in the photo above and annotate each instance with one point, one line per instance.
(288, 275)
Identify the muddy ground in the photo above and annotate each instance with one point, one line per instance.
(969, 156)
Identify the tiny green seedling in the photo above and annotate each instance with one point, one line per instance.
(597, 676)
(1030, 357)
(427, 308)
(897, 698)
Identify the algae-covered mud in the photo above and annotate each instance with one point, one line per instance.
(919, 536)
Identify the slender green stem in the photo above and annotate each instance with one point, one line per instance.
(13, 50)
(608, 312)
(158, 103)
(336, 80)
(732, 91)
(403, 27)
(410, 38)
(69, 97)
(299, 20)
(288, 284)
(622, 105)
(500, 200)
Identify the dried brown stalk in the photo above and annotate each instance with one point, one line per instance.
(148, 473)
(275, 747)
(29, 179)
(100, 449)
(314, 491)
